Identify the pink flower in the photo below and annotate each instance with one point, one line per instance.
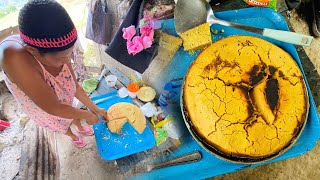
(147, 42)
(135, 46)
(147, 31)
(128, 32)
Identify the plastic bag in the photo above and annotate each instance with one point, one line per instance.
(123, 9)
(90, 85)
(99, 25)
(161, 135)
(263, 3)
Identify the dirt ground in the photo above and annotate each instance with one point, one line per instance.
(11, 139)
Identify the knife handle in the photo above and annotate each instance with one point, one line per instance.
(289, 37)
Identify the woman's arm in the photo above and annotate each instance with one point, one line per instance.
(82, 96)
(19, 67)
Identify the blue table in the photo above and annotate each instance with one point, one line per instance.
(210, 165)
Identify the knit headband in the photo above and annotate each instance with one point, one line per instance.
(71, 37)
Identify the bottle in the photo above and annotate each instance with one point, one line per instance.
(170, 93)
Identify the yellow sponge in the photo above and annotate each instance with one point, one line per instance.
(196, 38)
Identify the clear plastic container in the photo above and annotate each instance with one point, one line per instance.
(111, 80)
(133, 89)
(123, 92)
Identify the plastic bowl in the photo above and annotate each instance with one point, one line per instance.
(111, 80)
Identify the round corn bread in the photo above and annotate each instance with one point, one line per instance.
(245, 97)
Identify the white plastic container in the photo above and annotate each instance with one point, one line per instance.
(148, 109)
(123, 92)
(111, 80)
(132, 94)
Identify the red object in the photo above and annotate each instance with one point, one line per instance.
(160, 118)
(4, 125)
(49, 43)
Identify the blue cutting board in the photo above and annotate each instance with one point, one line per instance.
(210, 165)
(112, 146)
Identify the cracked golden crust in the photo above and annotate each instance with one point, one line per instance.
(218, 97)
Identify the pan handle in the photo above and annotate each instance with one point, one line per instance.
(184, 159)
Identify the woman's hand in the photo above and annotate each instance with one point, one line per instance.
(92, 118)
(101, 113)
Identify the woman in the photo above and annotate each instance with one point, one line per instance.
(38, 70)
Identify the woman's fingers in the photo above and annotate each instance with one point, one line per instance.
(104, 114)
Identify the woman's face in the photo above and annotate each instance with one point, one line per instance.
(57, 59)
